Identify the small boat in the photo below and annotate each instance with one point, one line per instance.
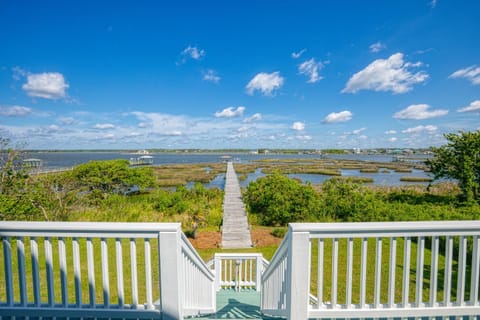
(141, 161)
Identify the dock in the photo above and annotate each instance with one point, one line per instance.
(235, 229)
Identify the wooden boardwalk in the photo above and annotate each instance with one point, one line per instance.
(235, 229)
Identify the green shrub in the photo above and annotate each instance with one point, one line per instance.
(278, 200)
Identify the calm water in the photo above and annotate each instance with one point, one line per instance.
(54, 160)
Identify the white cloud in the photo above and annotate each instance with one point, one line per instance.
(104, 126)
(471, 73)
(14, 111)
(230, 112)
(391, 132)
(341, 116)
(419, 112)
(211, 75)
(296, 55)
(266, 83)
(49, 85)
(67, 120)
(393, 139)
(377, 47)
(433, 3)
(474, 106)
(253, 118)
(392, 74)
(18, 73)
(194, 53)
(298, 126)
(310, 69)
(358, 131)
(421, 128)
(304, 137)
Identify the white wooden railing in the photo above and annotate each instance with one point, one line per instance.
(371, 270)
(117, 270)
(238, 271)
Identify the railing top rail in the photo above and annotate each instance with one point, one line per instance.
(193, 254)
(391, 229)
(238, 255)
(86, 229)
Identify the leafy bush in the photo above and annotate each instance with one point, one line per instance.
(278, 200)
(279, 232)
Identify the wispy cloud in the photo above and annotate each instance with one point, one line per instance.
(474, 106)
(48, 85)
(432, 3)
(420, 129)
(212, 76)
(310, 68)
(296, 55)
(376, 47)
(14, 111)
(253, 118)
(230, 112)
(358, 131)
(341, 116)
(266, 83)
(392, 74)
(298, 126)
(419, 112)
(194, 52)
(391, 132)
(104, 126)
(471, 73)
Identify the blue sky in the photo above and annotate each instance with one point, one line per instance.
(238, 74)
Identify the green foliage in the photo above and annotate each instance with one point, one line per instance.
(112, 176)
(459, 159)
(278, 200)
(343, 198)
(279, 232)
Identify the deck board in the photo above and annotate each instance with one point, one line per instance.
(235, 229)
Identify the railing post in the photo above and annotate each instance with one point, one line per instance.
(258, 273)
(217, 262)
(171, 274)
(298, 275)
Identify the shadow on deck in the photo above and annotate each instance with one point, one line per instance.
(237, 305)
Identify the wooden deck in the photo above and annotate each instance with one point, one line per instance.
(235, 229)
(237, 305)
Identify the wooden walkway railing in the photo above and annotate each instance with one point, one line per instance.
(371, 270)
(106, 270)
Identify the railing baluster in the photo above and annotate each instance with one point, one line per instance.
(407, 247)
(334, 272)
(49, 271)
(378, 272)
(475, 278)
(392, 268)
(119, 265)
(148, 274)
(420, 263)
(22, 282)
(105, 280)
(447, 287)
(349, 272)
(35, 271)
(7, 253)
(363, 272)
(62, 253)
(320, 272)
(462, 257)
(77, 272)
(91, 273)
(133, 267)
(434, 272)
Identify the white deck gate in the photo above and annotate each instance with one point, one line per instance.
(368, 270)
(117, 270)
